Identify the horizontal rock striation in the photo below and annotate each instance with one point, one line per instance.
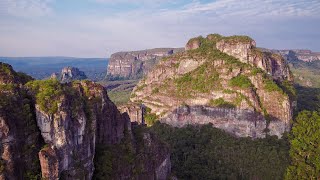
(239, 122)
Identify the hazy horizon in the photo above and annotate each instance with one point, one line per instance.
(98, 28)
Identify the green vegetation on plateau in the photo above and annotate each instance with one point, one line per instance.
(48, 93)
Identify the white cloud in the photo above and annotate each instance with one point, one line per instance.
(247, 8)
(273, 23)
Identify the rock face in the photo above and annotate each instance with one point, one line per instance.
(240, 122)
(84, 116)
(194, 43)
(68, 121)
(71, 73)
(247, 53)
(225, 81)
(135, 64)
(19, 136)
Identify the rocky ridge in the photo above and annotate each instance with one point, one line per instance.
(135, 64)
(51, 130)
(225, 81)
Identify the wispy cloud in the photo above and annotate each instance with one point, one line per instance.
(25, 8)
(160, 23)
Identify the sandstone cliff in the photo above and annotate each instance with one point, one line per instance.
(135, 64)
(20, 138)
(52, 130)
(225, 81)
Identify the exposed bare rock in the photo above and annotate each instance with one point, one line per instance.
(19, 137)
(71, 73)
(134, 111)
(49, 163)
(225, 81)
(194, 43)
(84, 116)
(135, 64)
(246, 52)
(240, 122)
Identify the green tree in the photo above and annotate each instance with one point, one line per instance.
(305, 147)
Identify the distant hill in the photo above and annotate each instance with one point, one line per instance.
(136, 64)
(43, 67)
(304, 64)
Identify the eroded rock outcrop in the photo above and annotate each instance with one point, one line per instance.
(135, 64)
(79, 116)
(69, 74)
(52, 130)
(225, 81)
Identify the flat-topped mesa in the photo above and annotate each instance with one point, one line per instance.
(225, 81)
(135, 64)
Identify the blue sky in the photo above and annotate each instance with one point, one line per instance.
(98, 28)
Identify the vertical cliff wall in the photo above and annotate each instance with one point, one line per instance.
(20, 139)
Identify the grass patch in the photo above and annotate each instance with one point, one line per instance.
(119, 97)
(241, 81)
(47, 93)
(221, 103)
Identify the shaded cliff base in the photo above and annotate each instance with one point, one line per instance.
(238, 122)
